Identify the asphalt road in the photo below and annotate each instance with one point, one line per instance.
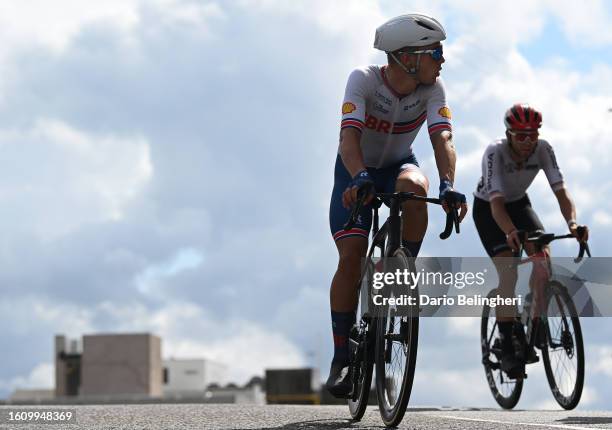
(200, 416)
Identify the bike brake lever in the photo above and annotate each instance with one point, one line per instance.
(362, 194)
(448, 229)
(583, 247)
(456, 219)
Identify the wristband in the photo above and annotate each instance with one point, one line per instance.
(511, 231)
(362, 175)
(445, 184)
(571, 222)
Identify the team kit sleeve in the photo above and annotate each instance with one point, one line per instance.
(438, 112)
(548, 161)
(492, 172)
(354, 103)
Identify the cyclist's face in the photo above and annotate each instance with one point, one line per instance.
(430, 68)
(523, 142)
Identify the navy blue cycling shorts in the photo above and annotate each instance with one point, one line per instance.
(384, 182)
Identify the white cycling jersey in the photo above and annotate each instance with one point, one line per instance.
(389, 122)
(502, 176)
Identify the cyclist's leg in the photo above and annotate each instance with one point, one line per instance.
(410, 178)
(527, 220)
(494, 241)
(351, 245)
(343, 303)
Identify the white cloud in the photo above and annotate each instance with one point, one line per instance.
(464, 327)
(28, 315)
(76, 176)
(602, 360)
(41, 376)
(147, 281)
(585, 23)
(602, 218)
(54, 23)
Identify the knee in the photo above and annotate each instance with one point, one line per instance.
(412, 183)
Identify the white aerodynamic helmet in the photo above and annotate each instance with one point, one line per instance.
(408, 30)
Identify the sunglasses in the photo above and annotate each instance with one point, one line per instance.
(436, 53)
(521, 137)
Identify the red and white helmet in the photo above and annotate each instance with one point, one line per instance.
(521, 116)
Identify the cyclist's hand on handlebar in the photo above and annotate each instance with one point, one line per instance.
(513, 239)
(580, 232)
(452, 199)
(362, 180)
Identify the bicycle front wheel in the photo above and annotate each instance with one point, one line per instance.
(563, 355)
(396, 351)
(361, 346)
(363, 369)
(506, 391)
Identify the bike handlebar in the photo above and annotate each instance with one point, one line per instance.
(543, 239)
(452, 216)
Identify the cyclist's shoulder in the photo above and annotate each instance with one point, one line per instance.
(497, 146)
(436, 88)
(544, 144)
(366, 75)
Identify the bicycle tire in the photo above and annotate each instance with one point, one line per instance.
(358, 406)
(506, 391)
(359, 403)
(392, 413)
(559, 345)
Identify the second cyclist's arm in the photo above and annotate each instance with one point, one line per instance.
(568, 209)
(350, 150)
(500, 215)
(444, 151)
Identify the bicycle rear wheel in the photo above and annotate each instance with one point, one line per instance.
(396, 351)
(563, 355)
(362, 357)
(506, 391)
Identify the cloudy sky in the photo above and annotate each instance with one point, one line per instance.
(167, 165)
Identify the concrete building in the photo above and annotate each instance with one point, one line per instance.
(109, 365)
(67, 366)
(184, 376)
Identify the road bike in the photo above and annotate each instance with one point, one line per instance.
(384, 336)
(555, 332)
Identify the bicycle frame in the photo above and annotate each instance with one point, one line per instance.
(541, 241)
(388, 238)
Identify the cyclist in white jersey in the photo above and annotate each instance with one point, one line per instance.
(502, 209)
(383, 109)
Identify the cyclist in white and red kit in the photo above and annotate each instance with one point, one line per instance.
(383, 109)
(502, 207)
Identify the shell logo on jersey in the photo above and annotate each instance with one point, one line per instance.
(445, 112)
(348, 108)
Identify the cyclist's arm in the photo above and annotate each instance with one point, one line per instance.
(350, 150)
(500, 215)
(568, 209)
(444, 152)
(440, 131)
